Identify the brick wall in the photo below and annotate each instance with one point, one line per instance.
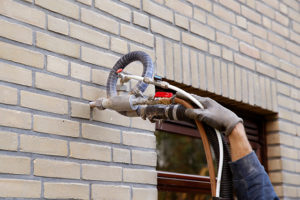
(55, 56)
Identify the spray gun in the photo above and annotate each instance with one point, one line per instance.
(161, 106)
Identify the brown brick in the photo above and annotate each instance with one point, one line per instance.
(265, 69)
(251, 15)
(57, 45)
(21, 55)
(139, 139)
(227, 41)
(265, 9)
(17, 188)
(88, 35)
(22, 13)
(144, 193)
(137, 35)
(112, 192)
(57, 65)
(257, 30)
(58, 25)
(15, 165)
(121, 155)
(101, 172)
(60, 6)
(202, 30)
(244, 61)
(140, 19)
(140, 176)
(8, 141)
(98, 57)
(54, 190)
(114, 9)
(90, 151)
(15, 32)
(81, 110)
(144, 158)
(43, 145)
(182, 21)
(8, 95)
(57, 85)
(242, 35)
(55, 126)
(180, 7)
(43, 102)
(249, 50)
(263, 44)
(99, 21)
(56, 169)
(224, 14)
(15, 118)
(161, 28)
(194, 41)
(157, 10)
(281, 30)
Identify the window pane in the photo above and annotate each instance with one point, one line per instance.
(166, 195)
(180, 153)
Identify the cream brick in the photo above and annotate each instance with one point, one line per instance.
(265, 69)
(231, 81)
(169, 59)
(202, 71)
(194, 41)
(58, 25)
(227, 41)
(281, 30)
(250, 77)
(112, 117)
(244, 61)
(224, 14)
(181, 21)
(266, 22)
(134, 3)
(217, 76)
(288, 67)
(144, 193)
(294, 15)
(8, 95)
(15, 74)
(100, 133)
(257, 30)
(209, 74)
(92, 93)
(55, 126)
(270, 59)
(8, 141)
(295, 37)
(203, 30)
(99, 76)
(296, 26)
(80, 72)
(292, 47)
(224, 79)
(262, 91)
(281, 53)
(57, 45)
(121, 155)
(232, 5)
(218, 24)
(186, 63)
(139, 139)
(43, 145)
(81, 110)
(57, 85)
(143, 158)
(43, 102)
(285, 77)
(251, 15)
(242, 35)
(263, 44)
(205, 4)
(227, 54)
(90, 151)
(276, 39)
(60, 6)
(54, 190)
(275, 164)
(249, 50)
(194, 69)
(157, 10)
(160, 61)
(114, 9)
(101, 172)
(15, 118)
(15, 165)
(135, 68)
(87, 2)
(57, 65)
(111, 192)
(17, 188)
(23, 13)
(180, 7)
(241, 22)
(138, 35)
(199, 15)
(140, 19)
(276, 177)
(140, 176)
(118, 45)
(88, 35)
(99, 21)
(15, 32)
(56, 169)
(238, 84)
(281, 19)
(21, 55)
(98, 58)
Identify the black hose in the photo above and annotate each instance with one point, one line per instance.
(144, 58)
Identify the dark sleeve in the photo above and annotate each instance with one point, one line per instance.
(250, 179)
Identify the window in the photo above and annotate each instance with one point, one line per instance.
(181, 165)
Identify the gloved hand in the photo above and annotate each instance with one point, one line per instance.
(213, 115)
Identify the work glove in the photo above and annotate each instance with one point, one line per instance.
(213, 115)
